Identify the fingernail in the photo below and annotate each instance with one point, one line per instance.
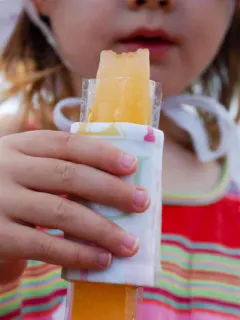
(104, 259)
(130, 244)
(140, 198)
(128, 161)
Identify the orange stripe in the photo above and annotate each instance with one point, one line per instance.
(40, 266)
(8, 288)
(40, 271)
(201, 275)
(10, 302)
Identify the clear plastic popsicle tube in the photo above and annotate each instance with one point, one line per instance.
(115, 294)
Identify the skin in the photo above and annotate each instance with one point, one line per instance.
(76, 164)
(189, 21)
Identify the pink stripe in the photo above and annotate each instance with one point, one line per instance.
(46, 299)
(204, 316)
(84, 275)
(156, 312)
(41, 318)
(13, 315)
(189, 300)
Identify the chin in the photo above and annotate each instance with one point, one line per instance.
(171, 85)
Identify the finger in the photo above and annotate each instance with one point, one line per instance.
(58, 176)
(75, 148)
(54, 212)
(21, 242)
(10, 270)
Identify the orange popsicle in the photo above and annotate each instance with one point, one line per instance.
(100, 301)
(123, 89)
(122, 95)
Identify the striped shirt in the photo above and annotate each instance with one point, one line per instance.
(200, 257)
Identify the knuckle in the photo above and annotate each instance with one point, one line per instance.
(62, 211)
(65, 140)
(114, 158)
(109, 154)
(66, 171)
(77, 256)
(112, 232)
(106, 228)
(120, 189)
(101, 147)
(83, 257)
(45, 248)
(123, 194)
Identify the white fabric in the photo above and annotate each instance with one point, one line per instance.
(9, 11)
(175, 107)
(33, 14)
(30, 8)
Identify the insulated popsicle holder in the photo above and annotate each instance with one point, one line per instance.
(144, 141)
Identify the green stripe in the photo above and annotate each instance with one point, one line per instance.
(10, 297)
(38, 292)
(160, 298)
(201, 198)
(35, 291)
(200, 245)
(221, 260)
(44, 307)
(205, 262)
(12, 306)
(213, 307)
(204, 289)
(52, 275)
(176, 254)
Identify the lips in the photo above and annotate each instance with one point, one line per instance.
(150, 36)
(158, 42)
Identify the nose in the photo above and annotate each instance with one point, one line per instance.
(166, 5)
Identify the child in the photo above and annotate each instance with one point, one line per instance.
(191, 42)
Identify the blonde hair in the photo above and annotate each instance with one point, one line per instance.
(32, 67)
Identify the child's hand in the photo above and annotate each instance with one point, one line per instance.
(35, 169)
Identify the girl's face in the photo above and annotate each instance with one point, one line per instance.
(182, 41)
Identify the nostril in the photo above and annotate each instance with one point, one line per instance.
(140, 2)
(135, 4)
(163, 3)
(166, 4)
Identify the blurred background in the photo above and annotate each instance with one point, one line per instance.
(9, 10)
